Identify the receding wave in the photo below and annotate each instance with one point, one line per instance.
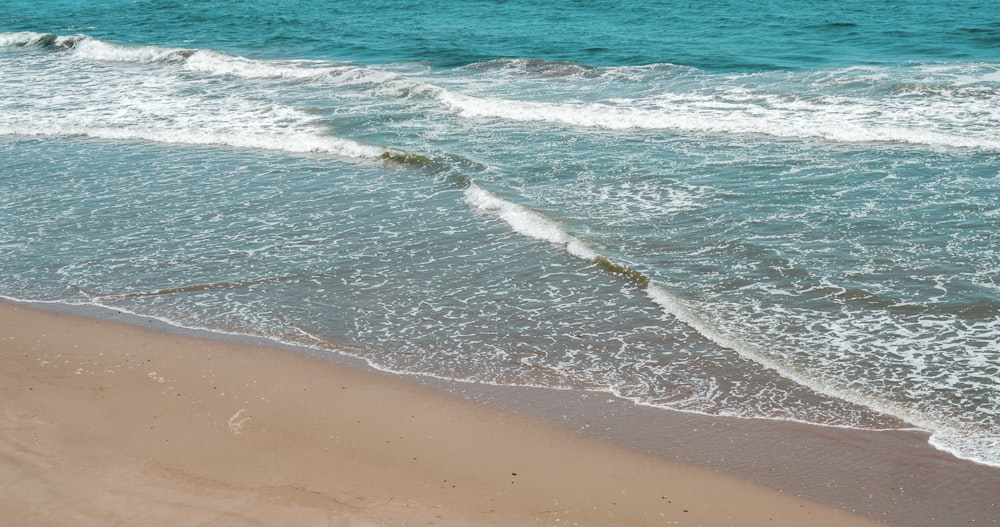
(292, 142)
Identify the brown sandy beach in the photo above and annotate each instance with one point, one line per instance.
(106, 423)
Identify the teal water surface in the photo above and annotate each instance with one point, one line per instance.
(783, 209)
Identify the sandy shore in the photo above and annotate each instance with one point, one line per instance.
(111, 424)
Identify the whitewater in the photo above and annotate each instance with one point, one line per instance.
(813, 240)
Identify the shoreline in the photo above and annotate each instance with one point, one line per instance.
(111, 422)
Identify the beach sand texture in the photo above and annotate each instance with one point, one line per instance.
(106, 423)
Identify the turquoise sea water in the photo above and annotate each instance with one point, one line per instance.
(784, 209)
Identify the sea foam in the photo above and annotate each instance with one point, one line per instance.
(748, 105)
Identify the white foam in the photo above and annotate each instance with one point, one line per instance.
(527, 222)
(154, 105)
(975, 442)
(535, 225)
(154, 108)
(216, 63)
(93, 49)
(24, 38)
(383, 82)
(29, 38)
(743, 110)
(978, 448)
(289, 142)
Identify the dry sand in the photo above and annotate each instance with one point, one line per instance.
(105, 423)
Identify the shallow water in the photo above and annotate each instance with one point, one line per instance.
(776, 210)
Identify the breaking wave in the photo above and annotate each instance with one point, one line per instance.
(953, 437)
(217, 63)
(936, 106)
(830, 120)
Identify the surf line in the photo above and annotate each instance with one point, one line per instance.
(534, 224)
(531, 223)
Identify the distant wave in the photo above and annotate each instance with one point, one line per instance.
(818, 122)
(211, 62)
(542, 68)
(539, 67)
(955, 106)
(28, 39)
(942, 106)
(122, 109)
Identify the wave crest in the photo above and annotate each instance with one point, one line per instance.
(955, 107)
(216, 63)
(25, 39)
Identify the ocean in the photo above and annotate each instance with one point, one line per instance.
(782, 209)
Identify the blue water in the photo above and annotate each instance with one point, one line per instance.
(783, 209)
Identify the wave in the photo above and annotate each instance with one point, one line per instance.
(527, 222)
(292, 142)
(563, 70)
(938, 105)
(965, 441)
(772, 115)
(44, 40)
(163, 107)
(537, 225)
(535, 67)
(86, 47)
(216, 63)
(534, 224)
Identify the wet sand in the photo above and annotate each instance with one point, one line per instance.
(106, 423)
